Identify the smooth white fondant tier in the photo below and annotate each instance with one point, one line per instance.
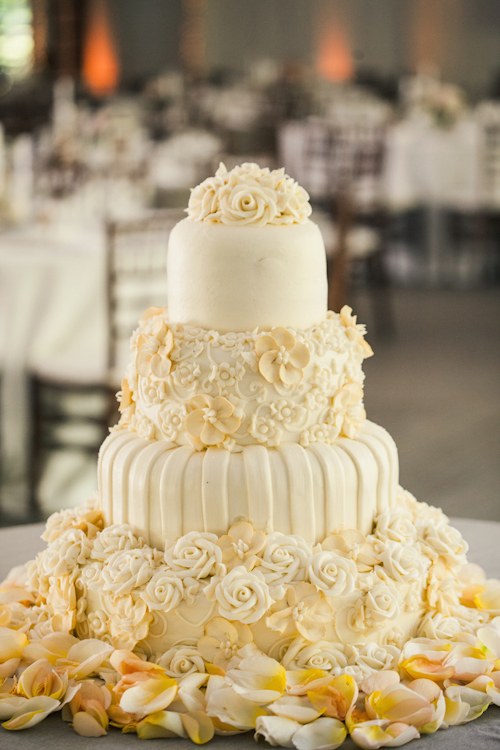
(165, 491)
(238, 278)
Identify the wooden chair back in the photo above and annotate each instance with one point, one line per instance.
(136, 278)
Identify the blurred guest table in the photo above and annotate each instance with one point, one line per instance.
(20, 543)
(52, 315)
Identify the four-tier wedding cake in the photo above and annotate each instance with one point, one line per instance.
(244, 498)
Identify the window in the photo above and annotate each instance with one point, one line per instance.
(16, 37)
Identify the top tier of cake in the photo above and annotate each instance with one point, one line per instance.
(247, 256)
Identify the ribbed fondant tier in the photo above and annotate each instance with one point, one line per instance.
(165, 491)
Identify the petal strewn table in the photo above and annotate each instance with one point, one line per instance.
(21, 543)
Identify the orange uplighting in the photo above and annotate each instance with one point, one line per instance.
(100, 60)
(335, 59)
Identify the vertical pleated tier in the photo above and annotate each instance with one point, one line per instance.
(165, 491)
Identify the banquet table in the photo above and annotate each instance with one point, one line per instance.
(19, 543)
(44, 271)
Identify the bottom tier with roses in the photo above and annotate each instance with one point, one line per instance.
(346, 605)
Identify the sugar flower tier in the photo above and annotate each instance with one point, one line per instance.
(249, 536)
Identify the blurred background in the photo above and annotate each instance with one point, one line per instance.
(388, 113)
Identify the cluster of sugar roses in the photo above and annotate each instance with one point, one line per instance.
(437, 683)
(207, 401)
(410, 563)
(249, 195)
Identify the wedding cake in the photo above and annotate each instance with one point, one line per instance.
(245, 496)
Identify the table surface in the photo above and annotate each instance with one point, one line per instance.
(20, 543)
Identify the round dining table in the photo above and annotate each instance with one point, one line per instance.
(20, 543)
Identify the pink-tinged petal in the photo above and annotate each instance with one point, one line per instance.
(223, 407)
(289, 374)
(322, 734)
(426, 688)
(379, 681)
(268, 367)
(300, 356)
(211, 435)
(195, 422)
(53, 647)
(265, 344)
(86, 726)
(283, 338)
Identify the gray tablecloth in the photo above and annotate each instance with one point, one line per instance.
(21, 543)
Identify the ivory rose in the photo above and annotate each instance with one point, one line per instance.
(334, 575)
(241, 595)
(195, 555)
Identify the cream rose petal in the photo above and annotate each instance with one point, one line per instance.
(371, 736)
(233, 709)
(463, 704)
(32, 712)
(277, 731)
(12, 644)
(85, 657)
(9, 704)
(87, 725)
(322, 734)
(258, 678)
(149, 696)
(296, 707)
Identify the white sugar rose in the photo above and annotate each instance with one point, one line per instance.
(401, 562)
(248, 203)
(334, 575)
(372, 657)
(181, 660)
(90, 575)
(98, 623)
(72, 548)
(437, 626)
(284, 559)
(374, 608)
(441, 540)
(129, 622)
(381, 603)
(396, 526)
(128, 570)
(321, 655)
(164, 590)
(195, 555)
(241, 595)
(115, 538)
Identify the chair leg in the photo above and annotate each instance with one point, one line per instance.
(35, 451)
(381, 297)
